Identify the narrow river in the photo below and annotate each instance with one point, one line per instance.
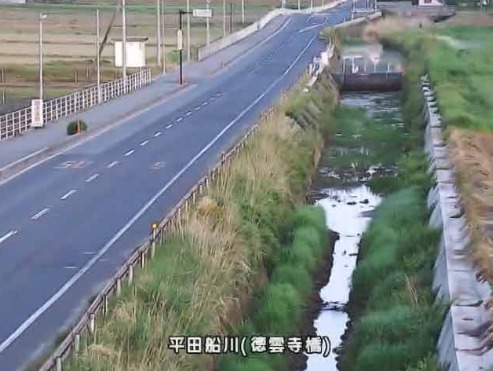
(353, 171)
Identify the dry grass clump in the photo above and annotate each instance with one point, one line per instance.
(472, 155)
(391, 25)
(200, 281)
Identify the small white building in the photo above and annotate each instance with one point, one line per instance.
(430, 3)
(135, 52)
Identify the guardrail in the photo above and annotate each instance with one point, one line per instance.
(15, 123)
(100, 305)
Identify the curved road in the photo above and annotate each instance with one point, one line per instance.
(67, 225)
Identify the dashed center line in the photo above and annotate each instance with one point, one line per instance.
(205, 103)
(91, 178)
(212, 98)
(157, 134)
(169, 126)
(112, 164)
(40, 214)
(8, 235)
(129, 152)
(68, 194)
(189, 113)
(179, 119)
(197, 108)
(144, 142)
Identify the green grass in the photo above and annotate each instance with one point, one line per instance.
(461, 78)
(397, 322)
(279, 307)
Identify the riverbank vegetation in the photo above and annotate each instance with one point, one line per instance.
(395, 322)
(202, 279)
(458, 62)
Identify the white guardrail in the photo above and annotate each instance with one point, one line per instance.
(85, 328)
(15, 123)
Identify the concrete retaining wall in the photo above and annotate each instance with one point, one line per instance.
(462, 342)
(222, 43)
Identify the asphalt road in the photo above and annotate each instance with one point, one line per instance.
(68, 224)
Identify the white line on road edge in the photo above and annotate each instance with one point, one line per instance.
(157, 134)
(28, 322)
(129, 153)
(179, 119)
(40, 214)
(169, 126)
(112, 164)
(8, 235)
(91, 178)
(144, 143)
(68, 194)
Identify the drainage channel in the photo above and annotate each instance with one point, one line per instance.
(358, 160)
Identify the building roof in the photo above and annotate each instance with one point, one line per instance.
(131, 39)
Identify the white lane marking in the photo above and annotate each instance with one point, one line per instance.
(129, 153)
(188, 113)
(89, 253)
(40, 214)
(91, 137)
(70, 267)
(311, 27)
(212, 98)
(112, 164)
(218, 94)
(169, 126)
(91, 178)
(205, 103)
(179, 119)
(157, 134)
(196, 108)
(8, 235)
(144, 143)
(33, 317)
(68, 194)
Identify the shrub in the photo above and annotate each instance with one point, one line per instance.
(76, 126)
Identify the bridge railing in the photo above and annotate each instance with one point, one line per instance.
(17, 122)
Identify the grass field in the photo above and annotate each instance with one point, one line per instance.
(458, 56)
(69, 38)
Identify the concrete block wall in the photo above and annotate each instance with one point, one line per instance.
(462, 345)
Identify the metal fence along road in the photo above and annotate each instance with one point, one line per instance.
(15, 123)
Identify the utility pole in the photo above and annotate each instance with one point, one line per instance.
(124, 46)
(242, 11)
(158, 32)
(188, 30)
(98, 58)
(224, 18)
(41, 17)
(230, 18)
(208, 36)
(163, 39)
(180, 41)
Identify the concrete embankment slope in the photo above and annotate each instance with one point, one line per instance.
(463, 342)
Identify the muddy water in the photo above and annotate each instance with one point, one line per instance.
(344, 189)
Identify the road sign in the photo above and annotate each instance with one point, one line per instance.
(179, 39)
(202, 13)
(37, 113)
